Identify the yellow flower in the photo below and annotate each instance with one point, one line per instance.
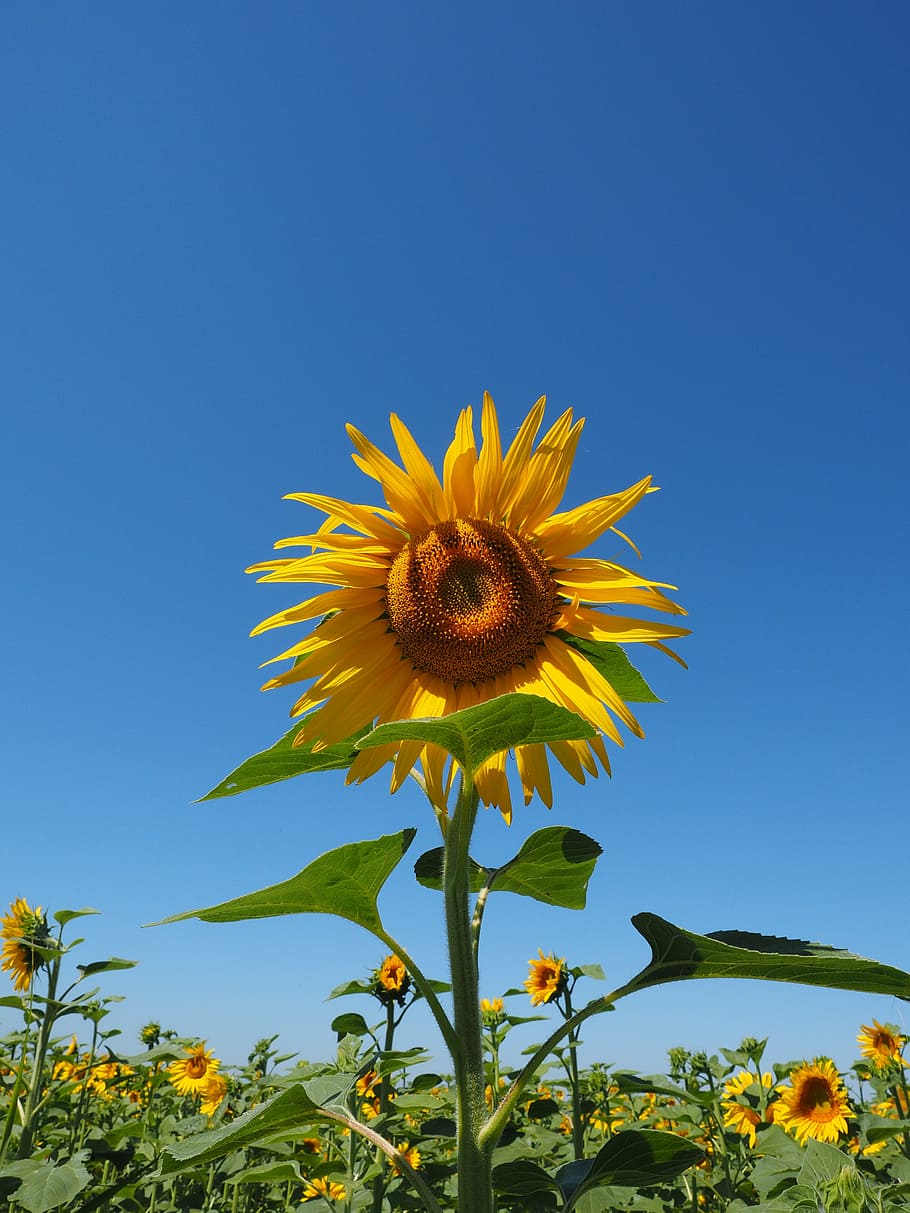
(493, 1006)
(410, 1154)
(23, 928)
(547, 978)
(212, 1092)
(459, 591)
(324, 1187)
(191, 1075)
(882, 1044)
(814, 1104)
(742, 1117)
(391, 981)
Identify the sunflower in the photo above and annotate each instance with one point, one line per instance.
(191, 1075)
(461, 590)
(324, 1187)
(24, 930)
(814, 1104)
(547, 978)
(391, 981)
(882, 1044)
(212, 1092)
(410, 1154)
(740, 1116)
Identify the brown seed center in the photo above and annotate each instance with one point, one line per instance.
(470, 599)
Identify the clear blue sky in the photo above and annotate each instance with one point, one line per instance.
(229, 228)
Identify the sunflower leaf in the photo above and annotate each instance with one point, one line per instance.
(634, 1158)
(554, 866)
(345, 882)
(428, 871)
(284, 760)
(290, 1112)
(679, 955)
(475, 734)
(612, 661)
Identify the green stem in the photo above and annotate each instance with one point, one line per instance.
(44, 1036)
(422, 983)
(578, 1127)
(474, 1188)
(492, 1130)
(384, 1088)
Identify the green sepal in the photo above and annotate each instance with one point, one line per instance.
(678, 955)
(345, 882)
(554, 866)
(475, 734)
(285, 1115)
(284, 760)
(611, 660)
(634, 1158)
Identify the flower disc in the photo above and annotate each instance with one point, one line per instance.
(470, 599)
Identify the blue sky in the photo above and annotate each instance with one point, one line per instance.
(228, 229)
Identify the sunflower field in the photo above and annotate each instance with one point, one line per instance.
(163, 1124)
(467, 645)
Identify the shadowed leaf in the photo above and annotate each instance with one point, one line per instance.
(288, 1113)
(678, 955)
(553, 866)
(634, 1158)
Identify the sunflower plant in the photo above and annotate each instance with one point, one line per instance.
(464, 641)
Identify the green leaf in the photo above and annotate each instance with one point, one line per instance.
(288, 1113)
(880, 1128)
(611, 661)
(284, 760)
(522, 1178)
(634, 1158)
(475, 734)
(822, 1163)
(267, 1173)
(352, 987)
(678, 955)
(349, 1024)
(553, 866)
(51, 1186)
(345, 882)
(12, 1000)
(65, 916)
(428, 870)
(628, 1084)
(106, 966)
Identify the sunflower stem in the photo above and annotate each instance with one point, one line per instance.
(474, 1186)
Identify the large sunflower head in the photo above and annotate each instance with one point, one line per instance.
(460, 589)
(882, 1044)
(23, 931)
(193, 1074)
(814, 1104)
